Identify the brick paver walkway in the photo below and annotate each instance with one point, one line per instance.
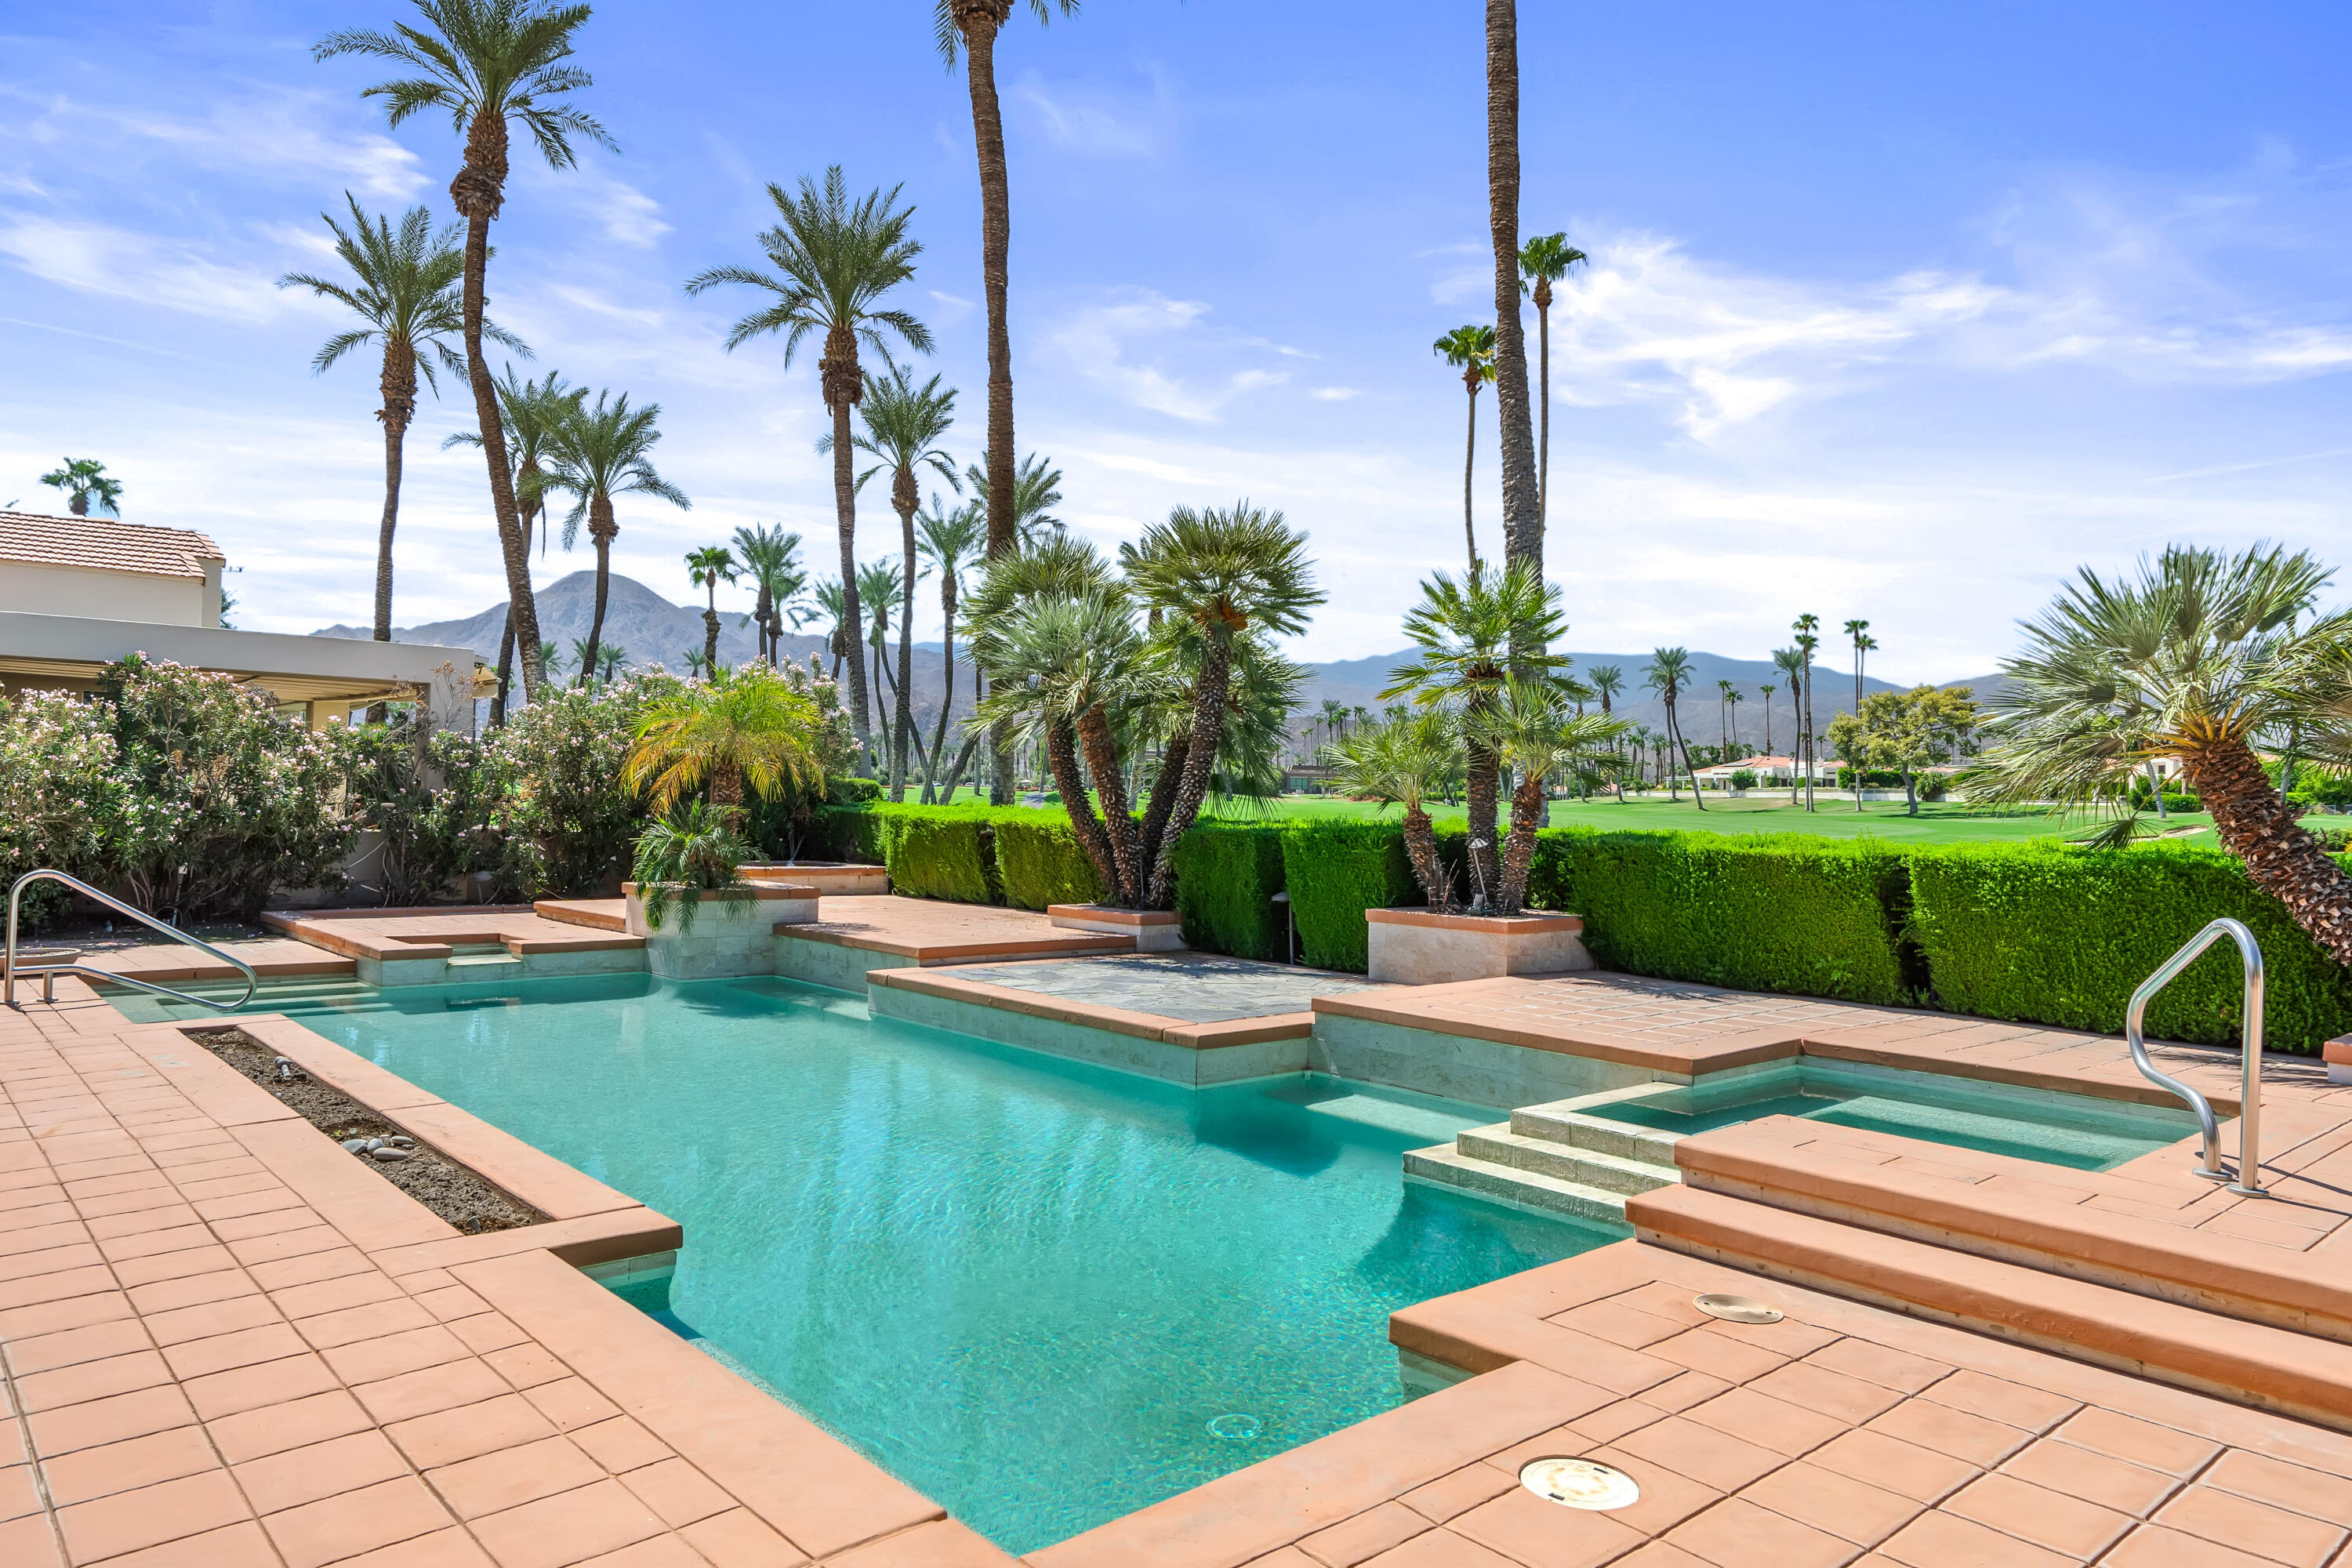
(221, 1346)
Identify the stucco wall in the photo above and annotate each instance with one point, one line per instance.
(108, 595)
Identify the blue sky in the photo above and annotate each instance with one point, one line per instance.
(1897, 312)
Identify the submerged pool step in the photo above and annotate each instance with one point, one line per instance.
(1499, 1146)
(1443, 1165)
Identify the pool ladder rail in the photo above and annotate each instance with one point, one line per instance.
(2247, 1181)
(10, 970)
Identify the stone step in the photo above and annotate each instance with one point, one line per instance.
(1443, 1165)
(1498, 1145)
(1627, 1141)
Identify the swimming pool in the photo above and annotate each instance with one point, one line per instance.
(2077, 1130)
(1030, 1287)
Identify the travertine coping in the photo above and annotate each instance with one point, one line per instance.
(165, 962)
(833, 879)
(1153, 930)
(1491, 925)
(1807, 1441)
(1142, 1025)
(1431, 1009)
(2147, 1226)
(2299, 1375)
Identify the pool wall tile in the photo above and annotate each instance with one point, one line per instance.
(1128, 1048)
(1459, 1067)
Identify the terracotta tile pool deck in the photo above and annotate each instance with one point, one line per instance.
(227, 1342)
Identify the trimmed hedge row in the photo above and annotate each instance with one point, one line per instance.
(2042, 934)
(2033, 934)
(1227, 874)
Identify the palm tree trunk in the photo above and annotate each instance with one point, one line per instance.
(1519, 848)
(1522, 501)
(506, 671)
(1119, 822)
(947, 668)
(1673, 725)
(1061, 759)
(905, 726)
(1428, 868)
(399, 405)
(954, 780)
(1482, 791)
(600, 528)
(845, 509)
(1162, 802)
(1200, 760)
(1543, 381)
(2281, 856)
(1469, 465)
(477, 192)
(710, 632)
(1812, 755)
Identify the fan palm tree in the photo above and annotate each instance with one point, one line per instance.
(80, 478)
(1526, 729)
(1474, 637)
(949, 540)
(1809, 643)
(1067, 668)
(1470, 350)
(904, 424)
(972, 25)
(1668, 673)
(1543, 261)
(404, 292)
(706, 568)
(487, 63)
(530, 414)
(2202, 658)
(1402, 760)
(771, 558)
(748, 728)
(1216, 576)
(834, 259)
(600, 453)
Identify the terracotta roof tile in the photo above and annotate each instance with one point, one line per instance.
(104, 543)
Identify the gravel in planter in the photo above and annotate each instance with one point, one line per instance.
(455, 1192)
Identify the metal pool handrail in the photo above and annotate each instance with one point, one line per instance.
(2249, 1094)
(50, 972)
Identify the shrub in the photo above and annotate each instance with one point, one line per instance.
(58, 790)
(2043, 933)
(559, 818)
(1743, 778)
(1039, 860)
(427, 835)
(1787, 912)
(941, 853)
(213, 797)
(1226, 877)
(1335, 871)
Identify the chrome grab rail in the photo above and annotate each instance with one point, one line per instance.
(50, 972)
(2248, 1182)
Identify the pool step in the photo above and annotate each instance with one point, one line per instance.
(1499, 1146)
(1443, 1165)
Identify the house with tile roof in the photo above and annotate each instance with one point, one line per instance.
(79, 593)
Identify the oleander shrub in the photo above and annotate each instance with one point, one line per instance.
(557, 820)
(58, 792)
(1335, 871)
(1227, 874)
(2046, 933)
(1788, 913)
(1039, 859)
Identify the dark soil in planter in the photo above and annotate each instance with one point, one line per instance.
(455, 1192)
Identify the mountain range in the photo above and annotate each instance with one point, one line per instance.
(654, 631)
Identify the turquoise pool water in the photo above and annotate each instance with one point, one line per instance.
(2076, 1130)
(1026, 1286)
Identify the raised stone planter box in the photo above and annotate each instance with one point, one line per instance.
(733, 934)
(1154, 931)
(836, 877)
(2338, 1054)
(1417, 947)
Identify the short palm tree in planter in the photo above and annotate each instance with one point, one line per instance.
(746, 729)
(1399, 761)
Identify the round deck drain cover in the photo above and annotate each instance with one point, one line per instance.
(1233, 1425)
(1580, 1483)
(1737, 1308)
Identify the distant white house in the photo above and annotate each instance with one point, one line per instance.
(1768, 771)
(79, 593)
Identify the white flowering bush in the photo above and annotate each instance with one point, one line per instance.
(58, 790)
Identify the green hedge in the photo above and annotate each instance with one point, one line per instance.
(1040, 860)
(941, 853)
(2048, 935)
(1335, 871)
(1227, 874)
(1792, 912)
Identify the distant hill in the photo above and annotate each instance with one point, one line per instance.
(654, 631)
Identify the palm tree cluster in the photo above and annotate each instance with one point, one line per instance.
(1163, 663)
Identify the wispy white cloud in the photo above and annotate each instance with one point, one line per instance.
(1092, 117)
(97, 259)
(1128, 345)
(1333, 394)
(242, 127)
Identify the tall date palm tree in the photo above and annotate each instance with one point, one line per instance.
(1543, 261)
(949, 541)
(530, 414)
(600, 453)
(834, 259)
(487, 63)
(1668, 673)
(1522, 501)
(1470, 350)
(706, 568)
(403, 288)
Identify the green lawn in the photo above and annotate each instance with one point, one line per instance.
(1773, 814)
(1759, 813)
